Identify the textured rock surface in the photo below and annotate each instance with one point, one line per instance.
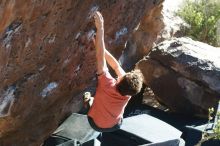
(155, 27)
(143, 39)
(184, 74)
(47, 59)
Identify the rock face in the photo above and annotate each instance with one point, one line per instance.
(155, 27)
(184, 74)
(143, 39)
(47, 59)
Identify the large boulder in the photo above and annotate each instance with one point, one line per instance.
(184, 74)
(47, 59)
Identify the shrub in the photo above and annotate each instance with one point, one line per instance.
(202, 16)
(214, 133)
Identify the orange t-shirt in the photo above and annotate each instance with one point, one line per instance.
(108, 106)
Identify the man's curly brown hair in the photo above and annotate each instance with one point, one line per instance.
(130, 84)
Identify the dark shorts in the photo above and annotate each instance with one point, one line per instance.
(95, 127)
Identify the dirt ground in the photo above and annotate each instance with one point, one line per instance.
(150, 99)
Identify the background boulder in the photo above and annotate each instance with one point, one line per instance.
(47, 59)
(184, 75)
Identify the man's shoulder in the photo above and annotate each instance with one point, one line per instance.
(105, 77)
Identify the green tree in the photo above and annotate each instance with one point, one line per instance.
(202, 16)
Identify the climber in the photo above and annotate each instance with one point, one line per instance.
(112, 95)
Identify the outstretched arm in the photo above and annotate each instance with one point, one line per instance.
(99, 43)
(101, 53)
(114, 64)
